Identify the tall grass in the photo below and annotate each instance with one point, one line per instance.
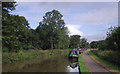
(12, 56)
(109, 57)
(9, 57)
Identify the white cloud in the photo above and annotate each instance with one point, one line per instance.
(66, 0)
(74, 29)
(95, 37)
(97, 13)
(42, 7)
(33, 18)
(101, 16)
(90, 13)
(107, 26)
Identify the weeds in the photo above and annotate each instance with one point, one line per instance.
(109, 57)
(12, 56)
(9, 57)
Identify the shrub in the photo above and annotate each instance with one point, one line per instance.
(109, 55)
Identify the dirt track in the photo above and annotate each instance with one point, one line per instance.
(92, 65)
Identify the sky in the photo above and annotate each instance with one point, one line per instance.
(90, 20)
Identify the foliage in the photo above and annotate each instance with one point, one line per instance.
(84, 43)
(113, 38)
(15, 29)
(74, 41)
(106, 57)
(11, 57)
(51, 53)
(15, 32)
(52, 31)
(112, 41)
(94, 44)
(50, 34)
(7, 7)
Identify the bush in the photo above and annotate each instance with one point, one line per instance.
(5, 49)
(109, 55)
(9, 57)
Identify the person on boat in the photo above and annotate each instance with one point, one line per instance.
(80, 51)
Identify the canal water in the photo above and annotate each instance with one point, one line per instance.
(55, 64)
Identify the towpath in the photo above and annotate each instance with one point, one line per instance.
(92, 65)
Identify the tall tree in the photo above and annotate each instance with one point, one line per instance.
(83, 43)
(112, 41)
(75, 41)
(15, 32)
(6, 8)
(113, 38)
(94, 44)
(52, 29)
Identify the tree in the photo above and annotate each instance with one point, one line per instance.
(112, 41)
(52, 30)
(102, 45)
(34, 40)
(74, 41)
(7, 7)
(94, 44)
(15, 32)
(113, 38)
(83, 43)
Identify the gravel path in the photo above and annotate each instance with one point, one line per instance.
(92, 65)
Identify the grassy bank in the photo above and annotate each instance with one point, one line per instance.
(109, 58)
(10, 57)
(82, 66)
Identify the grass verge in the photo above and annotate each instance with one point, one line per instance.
(82, 66)
(10, 57)
(106, 64)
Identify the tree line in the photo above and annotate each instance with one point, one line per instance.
(51, 33)
(112, 41)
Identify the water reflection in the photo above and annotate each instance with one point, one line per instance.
(73, 65)
(55, 64)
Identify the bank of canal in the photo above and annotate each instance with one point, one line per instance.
(57, 63)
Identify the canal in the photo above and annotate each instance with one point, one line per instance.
(59, 63)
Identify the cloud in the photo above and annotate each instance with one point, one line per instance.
(74, 29)
(38, 19)
(102, 16)
(107, 26)
(95, 37)
(66, 0)
(92, 13)
(42, 7)
(78, 14)
(32, 17)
